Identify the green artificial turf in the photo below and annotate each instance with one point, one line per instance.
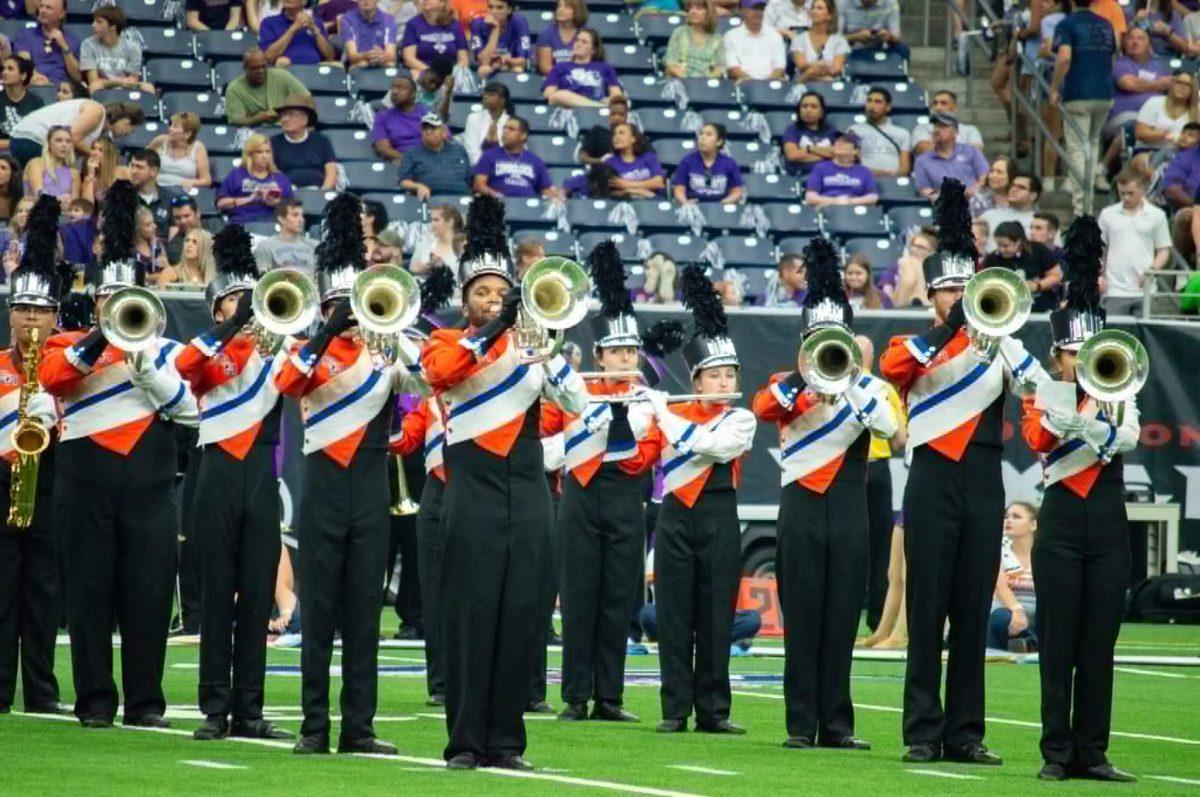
(42, 756)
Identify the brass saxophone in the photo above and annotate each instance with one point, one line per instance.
(29, 440)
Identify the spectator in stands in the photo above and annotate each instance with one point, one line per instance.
(944, 102)
(434, 32)
(87, 120)
(948, 158)
(1168, 36)
(398, 129)
(54, 173)
(438, 166)
(1023, 193)
(1082, 83)
(500, 40)
(69, 90)
(294, 37)
(53, 50)
(1036, 263)
(183, 157)
(595, 183)
(329, 14)
(442, 242)
(1040, 51)
(196, 267)
(1191, 32)
(204, 15)
(595, 143)
(808, 140)
(819, 53)
(511, 169)
(482, 128)
(886, 148)
(787, 285)
(1044, 230)
(981, 232)
(369, 36)
(12, 239)
(147, 246)
(108, 59)
(1014, 604)
(706, 174)
(842, 180)
(144, 166)
(639, 174)
(435, 85)
(255, 12)
(303, 154)
(102, 168)
(16, 100)
(860, 287)
(251, 191)
(374, 217)
(251, 99)
(695, 49)
(1161, 120)
(12, 186)
(1138, 244)
(789, 17)
(288, 248)
(1137, 76)
(1180, 184)
(904, 281)
(873, 25)
(527, 253)
(556, 41)
(752, 51)
(587, 80)
(994, 193)
(185, 216)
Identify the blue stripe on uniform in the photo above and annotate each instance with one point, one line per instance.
(969, 379)
(345, 400)
(174, 399)
(242, 397)
(7, 419)
(675, 463)
(434, 443)
(819, 432)
(495, 390)
(161, 359)
(1069, 447)
(96, 398)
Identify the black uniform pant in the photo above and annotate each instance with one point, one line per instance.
(404, 544)
(496, 518)
(537, 682)
(697, 565)
(238, 546)
(879, 537)
(343, 545)
(600, 533)
(121, 524)
(953, 521)
(431, 546)
(191, 527)
(1081, 562)
(30, 604)
(820, 569)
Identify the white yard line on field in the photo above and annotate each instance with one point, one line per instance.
(937, 773)
(197, 762)
(701, 770)
(1137, 671)
(1170, 779)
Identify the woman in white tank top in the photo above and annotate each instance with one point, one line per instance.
(183, 159)
(84, 118)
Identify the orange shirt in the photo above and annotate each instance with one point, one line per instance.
(411, 439)
(766, 407)
(467, 10)
(1043, 441)
(204, 373)
(555, 420)
(698, 413)
(291, 381)
(1111, 10)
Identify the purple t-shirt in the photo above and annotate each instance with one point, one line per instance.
(1184, 171)
(379, 32)
(523, 175)
(329, 12)
(829, 179)
(302, 49)
(643, 167)
(1131, 101)
(402, 129)
(433, 40)
(966, 164)
(240, 183)
(514, 41)
(592, 80)
(560, 50)
(705, 183)
(51, 64)
(807, 137)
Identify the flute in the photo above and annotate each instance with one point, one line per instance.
(677, 399)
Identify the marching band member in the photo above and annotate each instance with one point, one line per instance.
(601, 523)
(496, 510)
(954, 498)
(114, 490)
(238, 543)
(345, 402)
(421, 432)
(697, 549)
(1081, 558)
(821, 564)
(30, 581)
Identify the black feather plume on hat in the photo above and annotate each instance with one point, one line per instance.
(664, 337)
(75, 311)
(437, 289)
(701, 298)
(824, 274)
(341, 235)
(1085, 258)
(41, 237)
(486, 231)
(118, 223)
(952, 215)
(608, 275)
(232, 252)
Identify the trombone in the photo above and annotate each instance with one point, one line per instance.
(385, 300)
(284, 303)
(555, 295)
(996, 302)
(1112, 367)
(830, 362)
(133, 320)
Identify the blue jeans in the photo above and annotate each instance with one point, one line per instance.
(745, 623)
(998, 629)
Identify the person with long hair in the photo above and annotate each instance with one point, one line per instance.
(484, 124)
(1014, 604)
(196, 266)
(696, 49)
(54, 173)
(102, 169)
(819, 53)
(994, 193)
(808, 140)
(11, 186)
(1160, 122)
(443, 245)
(904, 281)
(251, 191)
(12, 235)
(707, 174)
(500, 40)
(556, 41)
(432, 33)
(587, 80)
(639, 175)
(1034, 261)
(148, 248)
(860, 287)
(183, 158)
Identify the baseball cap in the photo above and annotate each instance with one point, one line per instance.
(431, 119)
(948, 119)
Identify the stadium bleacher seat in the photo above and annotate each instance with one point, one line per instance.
(146, 13)
(221, 165)
(80, 30)
(756, 281)
(313, 202)
(881, 251)
(588, 118)
(735, 122)
(166, 43)
(263, 228)
(906, 97)
(654, 30)
(909, 119)
(721, 219)
(538, 117)
(793, 219)
(626, 244)
(764, 188)
(460, 202)
(321, 78)
(400, 207)
(560, 174)
(646, 92)
(209, 105)
(220, 139)
(710, 92)
(206, 199)
(749, 252)
(522, 87)
(843, 119)
(746, 153)
(553, 241)
(793, 245)
(671, 150)
(224, 45)
(838, 95)
(372, 84)
(630, 59)
(46, 93)
(897, 192)
(79, 10)
(142, 136)
(336, 111)
(908, 218)
(660, 123)
(142, 99)
(613, 28)
(779, 121)
(352, 145)
(374, 176)
(527, 213)
(180, 74)
(863, 66)
(854, 221)
(683, 249)
(556, 150)
(11, 28)
(591, 215)
(225, 73)
(657, 216)
(766, 95)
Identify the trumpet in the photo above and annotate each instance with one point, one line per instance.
(385, 300)
(1112, 367)
(830, 362)
(133, 319)
(29, 440)
(996, 302)
(554, 297)
(284, 303)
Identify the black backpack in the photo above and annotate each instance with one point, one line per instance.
(1173, 598)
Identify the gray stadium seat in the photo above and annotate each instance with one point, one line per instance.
(180, 74)
(766, 95)
(554, 242)
(313, 202)
(142, 99)
(863, 66)
(352, 145)
(373, 84)
(591, 215)
(613, 28)
(657, 216)
(208, 104)
(145, 13)
(683, 249)
(336, 111)
(221, 165)
(710, 92)
(654, 30)
(906, 97)
(764, 188)
(220, 139)
(630, 59)
(646, 91)
(746, 153)
(672, 150)
(626, 244)
(321, 78)
(793, 219)
(165, 42)
(793, 245)
(660, 123)
(376, 176)
(522, 87)
(224, 45)
(225, 73)
(206, 199)
(741, 251)
(400, 207)
(734, 120)
(906, 218)
(881, 251)
(756, 281)
(899, 192)
(838, 95)
(527, 213)
(721, 219)
(555, 150)
(538, 117)
(854, 221)
(142, 136)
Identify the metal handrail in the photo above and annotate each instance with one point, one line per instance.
(1153, 291)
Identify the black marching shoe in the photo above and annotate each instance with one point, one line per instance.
(96, 722)
(46, 708)
(436, 700)
(539, 707)
(973, 754)
(463, 761)
(721, 726)
(798, 743)
(511, 762)
(612, 712)
(1053, 772)
(216, 726)
(311, 745)
(147, 721)
(921, 754)
(258, 729)
(1106, 771)
(671, 726)
(847, 743)
(370, 745)
(573, 712)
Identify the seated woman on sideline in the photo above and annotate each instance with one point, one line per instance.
(1014, 606)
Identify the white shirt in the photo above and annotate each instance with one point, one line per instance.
(967, 134)
(759, 55)
(1132, 238)
(880, 146)
(475, 131)
(835, 45)
(36, 125)
(781, 14)
(997, 216)
(1154, 113)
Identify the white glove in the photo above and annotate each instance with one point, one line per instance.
(1100, 437)
(656, 398)
(42, 409)
(1025, 368)
(1068, 423)
(729, 439)
(597, 417)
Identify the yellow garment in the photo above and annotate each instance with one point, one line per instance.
(881, 448)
